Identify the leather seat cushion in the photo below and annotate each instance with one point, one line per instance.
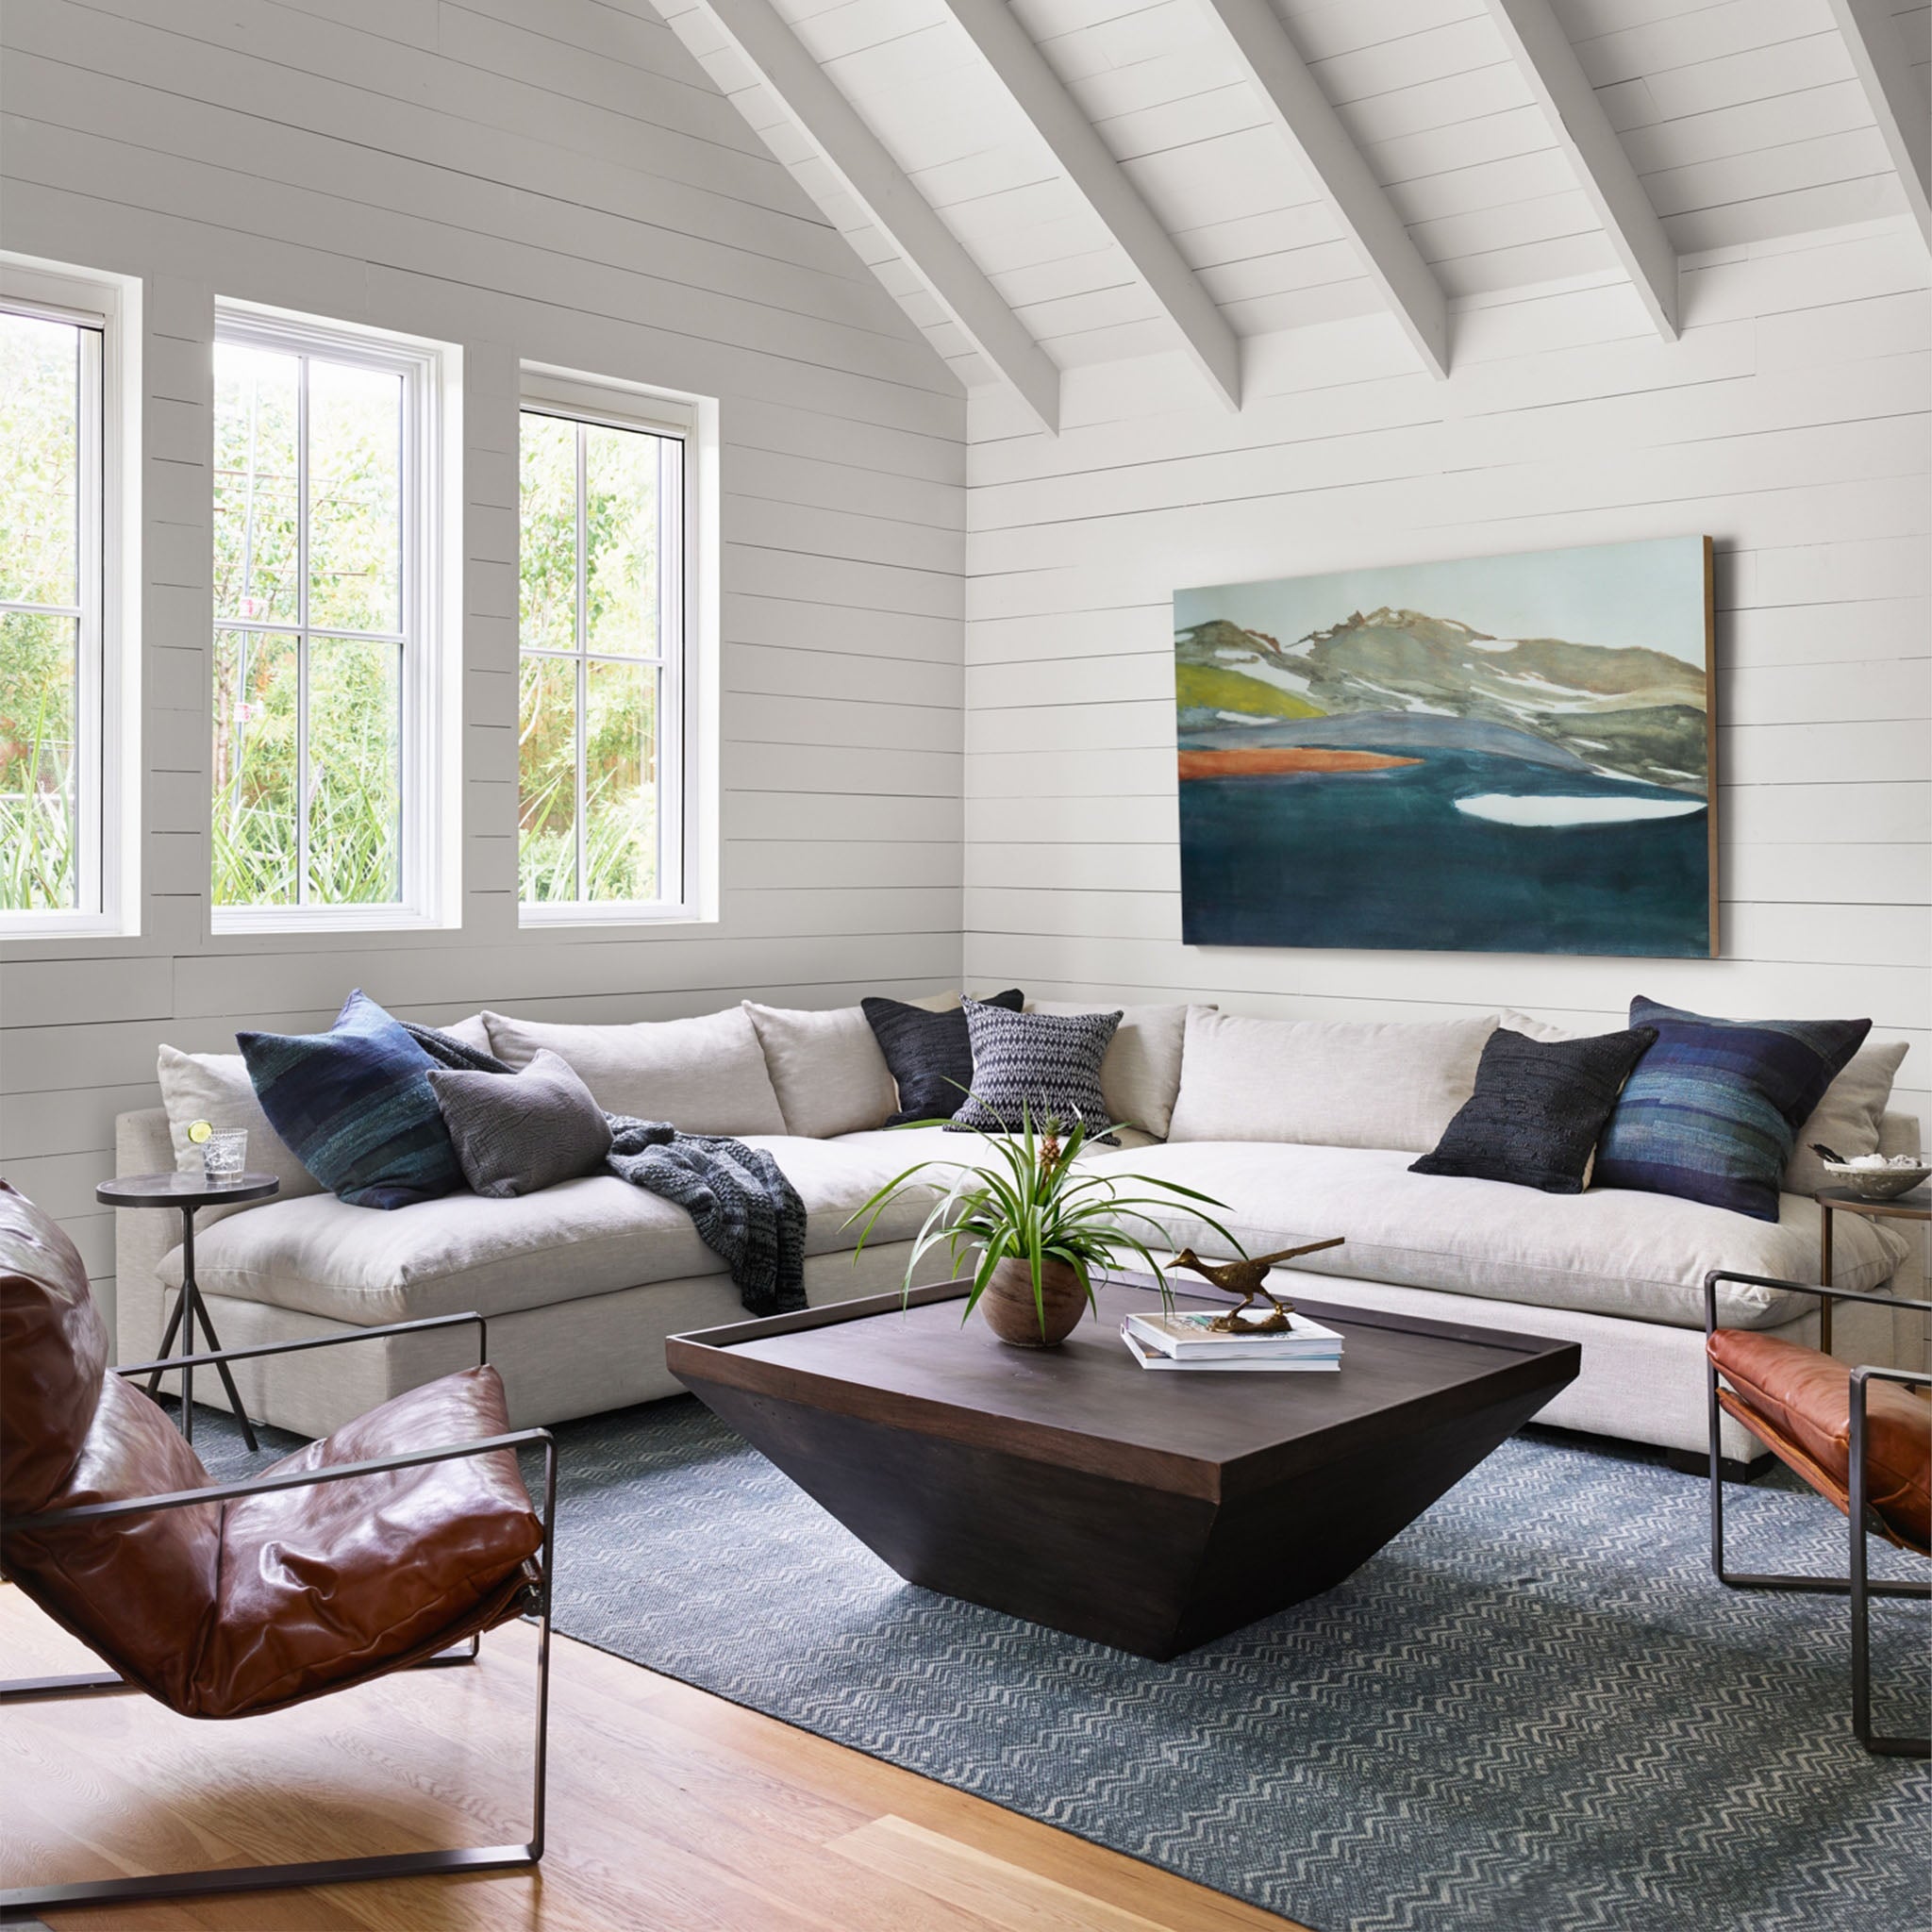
(330, 1585)
(1609, 1251)
(588, 1237)
(1805, 1397)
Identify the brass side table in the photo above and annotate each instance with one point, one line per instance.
(189, 1192)
(1916, 1206)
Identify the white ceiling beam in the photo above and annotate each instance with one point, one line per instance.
(1299, 107)
(874, 179)
(1898, 101)
(1009, 49)
(1604, 169)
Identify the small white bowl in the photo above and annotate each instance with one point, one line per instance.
(1879, 1183)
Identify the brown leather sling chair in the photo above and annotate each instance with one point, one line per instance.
(1862, 1438)
(379, 1548)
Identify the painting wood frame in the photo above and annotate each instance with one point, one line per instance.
(1504, 754)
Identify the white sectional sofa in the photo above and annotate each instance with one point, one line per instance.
(583, 1282)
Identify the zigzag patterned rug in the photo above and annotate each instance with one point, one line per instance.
(1535, 1711)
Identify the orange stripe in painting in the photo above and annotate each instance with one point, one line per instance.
(1260, 760)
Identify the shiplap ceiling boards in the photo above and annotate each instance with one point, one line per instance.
(1010, 51)
(1131, 176)
(1321, 144)
(1896, 91)
(874, 179)
(1577, 119)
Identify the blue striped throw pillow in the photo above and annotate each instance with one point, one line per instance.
(356, 1107)
(1712, 1110)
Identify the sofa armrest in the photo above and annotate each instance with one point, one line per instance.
(141, 1146)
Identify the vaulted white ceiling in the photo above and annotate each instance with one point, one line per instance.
(1125, 177)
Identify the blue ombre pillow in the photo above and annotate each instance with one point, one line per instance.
(356, 1107)
(1711, 1113)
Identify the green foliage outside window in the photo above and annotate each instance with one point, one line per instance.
(39, 564)
(349, 794)
(602, 676)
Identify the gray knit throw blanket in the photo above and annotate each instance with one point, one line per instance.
(744, 1209)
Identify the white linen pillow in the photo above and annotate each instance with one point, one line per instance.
(706, 1076)
(1141, 1077)
(215, 1088)
(469, 1031)
(830, 1076)
(1848, 1118)
(1327, 1083)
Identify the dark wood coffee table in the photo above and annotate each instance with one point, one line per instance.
(1152, 1511)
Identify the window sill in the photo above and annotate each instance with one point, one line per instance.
(552, 916)
(65, 926)
(233, 920)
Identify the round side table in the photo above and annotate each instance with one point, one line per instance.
(189, 1192)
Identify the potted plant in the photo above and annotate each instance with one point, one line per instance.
(1042, 1225)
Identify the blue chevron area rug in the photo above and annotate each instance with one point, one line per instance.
(1535, 1711)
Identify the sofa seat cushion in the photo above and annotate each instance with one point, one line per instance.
(587, 1236)
(1607, 1252)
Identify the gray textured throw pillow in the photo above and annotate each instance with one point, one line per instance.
(517, 1133)
(1044, 1066)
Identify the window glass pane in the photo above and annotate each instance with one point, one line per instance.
(621, 539)
(38, 788)
(620, 782)
(256, 861)
(257, 500)
(354, 771)
(548, 779)
(40, 462)
(355, 497)
(547, 566)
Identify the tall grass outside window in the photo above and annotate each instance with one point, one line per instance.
(51, 512)
(601, 636)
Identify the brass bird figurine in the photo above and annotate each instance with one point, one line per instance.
(1244, 1278)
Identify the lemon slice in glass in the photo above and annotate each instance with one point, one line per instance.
(199, 1131)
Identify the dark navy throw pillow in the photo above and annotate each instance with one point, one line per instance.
(1712, 1110)
(356, 1107)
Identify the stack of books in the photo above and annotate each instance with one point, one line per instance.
(1192, 1342)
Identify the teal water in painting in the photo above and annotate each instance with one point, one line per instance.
(1388, 859)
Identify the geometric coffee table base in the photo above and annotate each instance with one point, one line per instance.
(1150, 1511)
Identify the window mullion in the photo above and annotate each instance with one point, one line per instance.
(89, 670)
(583, 667)
(302, 631)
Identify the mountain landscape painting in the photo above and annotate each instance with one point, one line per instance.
(1507, 753)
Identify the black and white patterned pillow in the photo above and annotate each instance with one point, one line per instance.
(1041, 1066)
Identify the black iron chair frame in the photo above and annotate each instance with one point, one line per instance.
(1856, 1584)
(20, 1900)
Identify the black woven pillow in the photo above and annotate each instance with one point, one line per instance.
(1038, 1067)
(929, 1054)
(1538, 1108)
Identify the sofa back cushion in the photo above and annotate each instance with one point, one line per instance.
(215, 1086)
(706, 1076)
(827, 1068)
(1334, 1083)
(1140, 1076)
(1850, 1118)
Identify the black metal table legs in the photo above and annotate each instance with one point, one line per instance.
(189, 1308)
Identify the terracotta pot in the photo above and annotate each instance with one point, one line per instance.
(1012, 1315)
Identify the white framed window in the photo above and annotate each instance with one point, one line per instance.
(608, 543)
(330, 761)
(69, 553)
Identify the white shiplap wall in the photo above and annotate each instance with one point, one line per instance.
(1790, 423)
(579, 195)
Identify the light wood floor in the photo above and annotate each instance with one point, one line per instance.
(669, 1809)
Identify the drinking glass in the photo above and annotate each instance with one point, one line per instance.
(225, 1154)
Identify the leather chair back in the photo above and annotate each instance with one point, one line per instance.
(140, 1592)
(53, 1355)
